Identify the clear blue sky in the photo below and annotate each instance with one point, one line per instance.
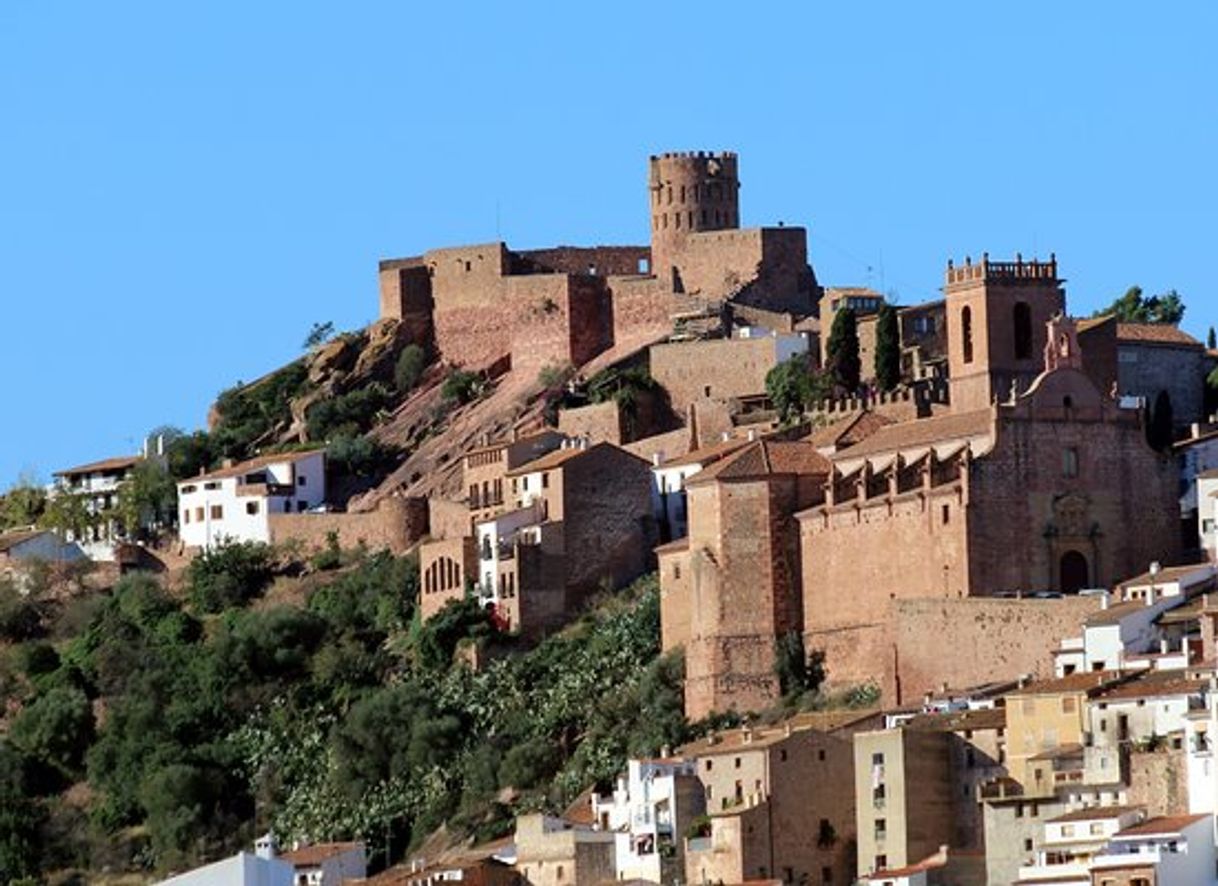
(185, 188)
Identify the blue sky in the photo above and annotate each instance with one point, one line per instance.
(185, 188)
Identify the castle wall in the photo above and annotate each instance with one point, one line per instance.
(641, 308)
(599, 422)
(717, 368)
(1146, 369)
(396, 525)
(992, 639)
(764, 267)
(604, 260)
(858, 556)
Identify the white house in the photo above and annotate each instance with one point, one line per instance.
(242, 869)
(236, 502)
(20, 547)
(1175, 850)
(97, 483)
(1205, 491)
(327, 864)
(1072, 842)
(668, 500)
(648, 813)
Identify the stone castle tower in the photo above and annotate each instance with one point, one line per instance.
(997, 316)
(691, 191)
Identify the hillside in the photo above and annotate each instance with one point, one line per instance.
(152, 728)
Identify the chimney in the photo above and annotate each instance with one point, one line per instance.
(665, 752)
(1150, 596)
(1104, 600)
(752, 434)
(228, 463)
(725, 436)
(264, 846)
(1155, 568)
(748, 735)
(657, 458)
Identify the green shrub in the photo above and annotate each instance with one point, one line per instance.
(461, 387)
(229, 575)
(348, 414)
(409, 368)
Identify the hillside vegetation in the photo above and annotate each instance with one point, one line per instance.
(151, 730)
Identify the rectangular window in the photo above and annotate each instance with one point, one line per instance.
(302, 480)
(302, 506)
(877, 759)
(1069, 462)
(212, 485)
(1068, 704)
(198, 515)
(251, 508)
(545, 480)
(217, 512)
(186, 515)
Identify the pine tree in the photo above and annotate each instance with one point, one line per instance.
(887, 349)
(844, 363)
(1211, 340)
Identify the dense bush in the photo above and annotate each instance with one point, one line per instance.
(409, 368)
(461, 387)
(228, 575)
(348, 414)
(248, 413)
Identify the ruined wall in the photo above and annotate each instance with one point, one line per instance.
(446, 566)
(396, 525)
(765, 267)
(641, 307)
(604, 260)
(599, 422)
(719, 368)
(992, 639)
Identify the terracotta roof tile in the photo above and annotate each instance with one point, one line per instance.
(1092, 813)
(1083, 681)
(707, 454)
(118, 463)
(1156, 333)
(765, 458)
(849, 431)
(554, 459)
(922, 432)
(1156, 684)
(253, 464)
(1164, 575)
(1163, 824)
(308, 856)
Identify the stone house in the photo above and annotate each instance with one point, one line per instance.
(555, 852)
(574, 520)
(781, 805)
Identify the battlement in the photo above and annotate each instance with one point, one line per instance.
(1006, 271)
(695, 155)
(919, 397)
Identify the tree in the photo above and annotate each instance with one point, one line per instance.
(843, 361)
(20, 818)
(1134, 307)
(23, 504)
(798, 672)
(461, 387)
(409, 368)
(1211, 340)
(793, 387)
(148, 497)
(1160, 429)
(887, 349)
(190, 455)
(56, 730)
(318, 335)
(69, 512)
(228, 575)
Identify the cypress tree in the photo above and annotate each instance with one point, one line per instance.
(887, 349)
(844, 363)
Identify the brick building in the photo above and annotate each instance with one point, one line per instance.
(545, 531)
(732, 587)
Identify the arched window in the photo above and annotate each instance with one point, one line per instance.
(966, 332)
(1023, 331)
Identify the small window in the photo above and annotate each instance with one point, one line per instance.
(877, 759)
(545, 480)
(676, 570)
(946, 514)
(737, 762)
(710, 765)
(198, 515)
(966, 329)
(1027, 844)
(217, 512)
(1070, 462)
(251, 508)
(213, 485)
(826, 876)
(302, 480)
(782, 755)
(186, 515)
(820, 755)
(302, 506)
(1068, 704)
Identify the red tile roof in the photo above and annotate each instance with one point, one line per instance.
(849, 431)
(310, 856)
(1084, 681)
(1162, 825)
(765, 458)
(118, 463)
(1093, 813)
(707, 454)
(922, 432)
(253, 464)
(1156, 334)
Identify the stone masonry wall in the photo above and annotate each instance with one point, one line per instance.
(991, 639)
(396, 525)
(718, 368)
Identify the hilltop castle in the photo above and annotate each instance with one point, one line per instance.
(487, 306)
